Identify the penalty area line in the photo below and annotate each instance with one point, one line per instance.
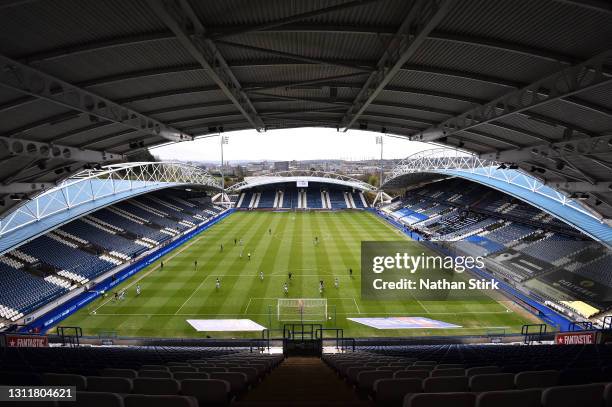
(193, 293)
(247, 307)
(357, 305)
(422, 306)
(173, 255)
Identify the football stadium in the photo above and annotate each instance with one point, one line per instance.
(464, 260)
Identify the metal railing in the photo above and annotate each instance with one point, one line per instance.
(91, 185)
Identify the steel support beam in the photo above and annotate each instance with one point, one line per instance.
(21, 78)
(462, 75)
(515, 129)
(180, 18)
(190, 106)
(502, 46)
(167, 93)
(331, 109)
(488, 136)
(296, 57)
(565, 83)
(300, 119)
(25, 187)
(71, 133)
(39, 150)
(266, 97)
(596, 5)
(112, 79)
(108, 43)
(422, 18)
(218, 117)
(58, 118)
(288, 20)
(107, 137)
(356, 29)
(451, 73)
(204, 128)
(263, 87)
(552, 151)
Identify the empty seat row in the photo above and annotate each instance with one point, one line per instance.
(369, 379)
(591, 395)
(215, 388)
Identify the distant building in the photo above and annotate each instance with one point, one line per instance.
(255, 167)
(281, 166)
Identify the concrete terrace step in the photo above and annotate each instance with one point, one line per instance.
(302, 381)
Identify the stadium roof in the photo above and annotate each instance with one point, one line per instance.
(520, 81)
(302, 175)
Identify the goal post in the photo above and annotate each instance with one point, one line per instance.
(302, 309)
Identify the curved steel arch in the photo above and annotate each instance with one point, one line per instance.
(305, 175)
(515, 182)
(89, 190)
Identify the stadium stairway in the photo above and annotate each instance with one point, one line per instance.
(302, 382)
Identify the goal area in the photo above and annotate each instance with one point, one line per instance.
(302, 309)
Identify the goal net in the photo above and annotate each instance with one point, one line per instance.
(302, 309)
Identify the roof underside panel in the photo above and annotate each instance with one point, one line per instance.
(44, 25)
(560, 28)
(477, 59)
(304, 63)
(230, 13)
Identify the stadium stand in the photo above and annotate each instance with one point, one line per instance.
(53, 264)
(246, 199)
(515, 88)
(474, 375)
(315, 195)
(480, 222)
(313, 199)
(423, 375)
(140, 211)
(128, 224)
(65, 257)
(23, 292)
(103, 238)
(499, 218)
(359, 199)
(203, 376)
(337, 199)
(267, 199)
(290, 198)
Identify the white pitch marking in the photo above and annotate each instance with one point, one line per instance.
(357, 305)
(193, 293)
(422, 306)
(247, 307)
(400, 313)
(152, 270)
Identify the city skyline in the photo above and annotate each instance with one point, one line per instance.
(288, 145)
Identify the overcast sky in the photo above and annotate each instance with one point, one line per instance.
(291, 144)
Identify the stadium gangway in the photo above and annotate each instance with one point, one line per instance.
(302, 341)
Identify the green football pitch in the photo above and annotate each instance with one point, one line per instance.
(279, 242)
